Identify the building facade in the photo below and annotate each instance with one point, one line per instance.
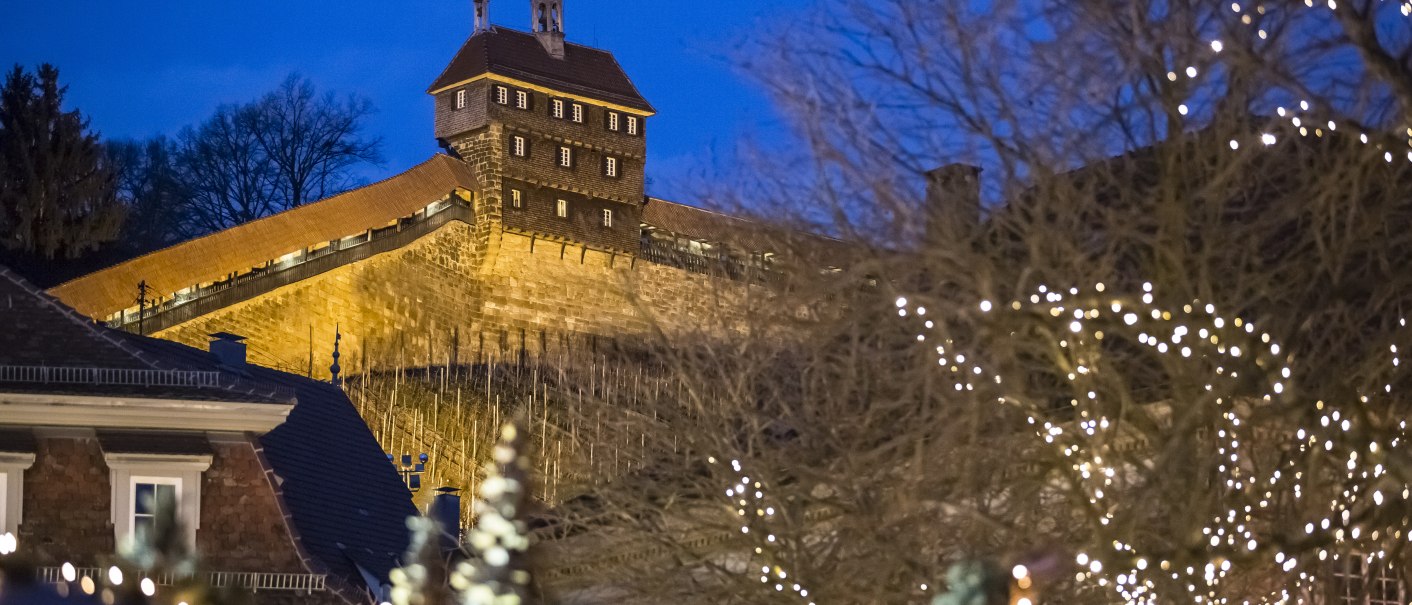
(532, 234)
(272, 479)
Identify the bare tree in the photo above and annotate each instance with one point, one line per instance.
(1164, 365)
(285, 149)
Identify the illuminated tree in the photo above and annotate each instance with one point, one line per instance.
(1162, 364)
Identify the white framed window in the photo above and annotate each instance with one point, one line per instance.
(610, 166)
(461, 99)
(614, 121)
(607, 217)
(521, 99)
(632, 125)
(578, 112)
(151, 496)
(561, 208)
(12, 482)
(566, 156)
(517, 146)
(1359, 581)
(502, 95)
(143, 483)
(556, 108)
(517, 198)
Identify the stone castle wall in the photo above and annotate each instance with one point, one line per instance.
(461, 294)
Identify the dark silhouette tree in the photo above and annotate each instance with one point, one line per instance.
(57, 196)
(287, 148)
(152, 189)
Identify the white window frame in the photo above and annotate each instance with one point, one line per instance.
(502, 95)
(607, 217)
(517, 146)
(614, 121)
(461, 99)
(557, 108)
(577, 111)
(561, 208)
(521, 99)
(12, 483)
(610, 166)
(566, 156)
(632, 125)
(1373, 573)
(127, 470)
(517, 198)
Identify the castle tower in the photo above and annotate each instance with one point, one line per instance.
(555, 130)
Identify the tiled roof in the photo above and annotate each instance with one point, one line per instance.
(584, 70)
(215, 256)
(38, 331)
(348, 503)
(742, 233)
(346, 500)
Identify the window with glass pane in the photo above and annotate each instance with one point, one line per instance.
(148, 500)
(578, 112)
(632, 125)
(558, 107)
(1360, 582)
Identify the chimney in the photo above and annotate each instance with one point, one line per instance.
(548, 25)
(953, 204)
(446, 511)
(229, 349)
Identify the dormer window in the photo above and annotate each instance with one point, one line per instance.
(461, 99)
(578, 112)
(522, 99)
(566, 157)
(614, 121)
(556, 108)
(561, 208)
(610, 166)
(502, 95)
(518, 146)
(632, 125)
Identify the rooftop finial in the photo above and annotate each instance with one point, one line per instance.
(334, 369)
(482, 16)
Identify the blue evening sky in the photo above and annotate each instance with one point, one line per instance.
(139, 68)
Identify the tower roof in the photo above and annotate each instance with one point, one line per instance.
(584, 71)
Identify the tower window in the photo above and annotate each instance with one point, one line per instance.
(522, 99)
(613, 121)
(502, 95)
(578, 112)
(561, 208)
(461, 99)
(517, 198)
(610, 166)
(556, 108)
(607, 217)
(566, 157)
(632, 125)
(518, 146)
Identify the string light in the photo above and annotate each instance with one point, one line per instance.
(1229, 348)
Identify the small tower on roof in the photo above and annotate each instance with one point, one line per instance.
(548, 25)
(482, 16)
